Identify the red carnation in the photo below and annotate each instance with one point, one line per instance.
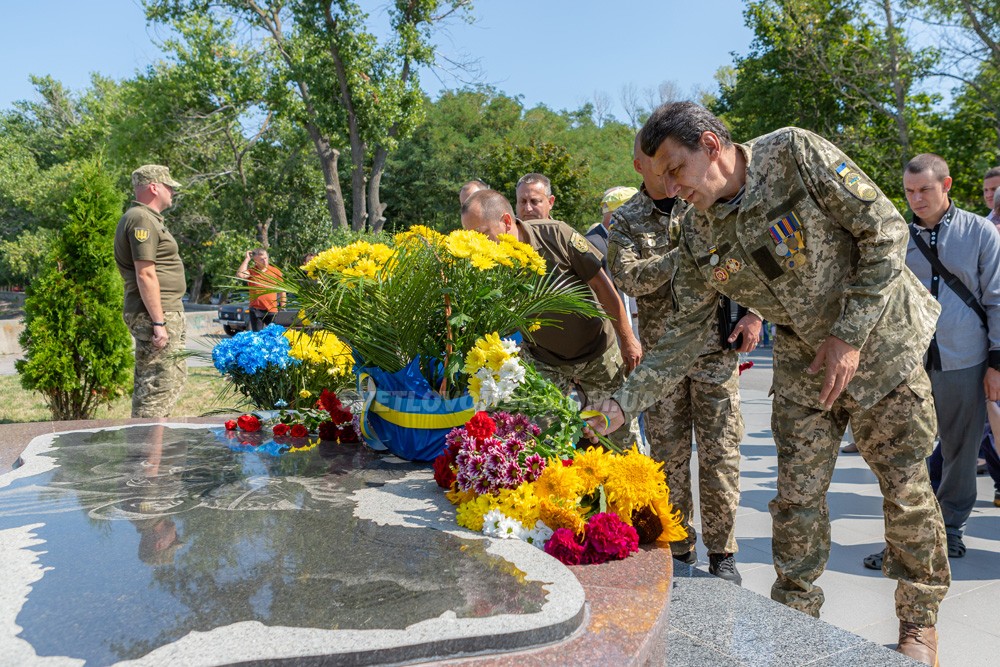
(328, 401)
(329, 431)
(481, 426)
(299, 431)
(231, 425)
(563, 547)
(248, 423)
(348, 434)
(444, 474)
(609, 538)
(281, 429)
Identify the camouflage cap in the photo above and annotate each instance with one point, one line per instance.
(153, 173)
(615, 197)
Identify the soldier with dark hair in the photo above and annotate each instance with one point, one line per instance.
(642, 257)
(789, 225)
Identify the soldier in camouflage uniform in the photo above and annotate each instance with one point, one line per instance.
(150, 264)
(642, 257)
(789, 225)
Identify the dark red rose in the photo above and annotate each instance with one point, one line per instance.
(444, 474)
(248, 423)
(281, 429)
(348, 435)
(340, 416)
(231, 425)
(329, 431)
(328, 401)
(299, 431)
(481, 426)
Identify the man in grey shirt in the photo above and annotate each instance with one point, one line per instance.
(963, 360)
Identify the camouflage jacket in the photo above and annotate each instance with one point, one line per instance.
(642, 257)
(816, 248)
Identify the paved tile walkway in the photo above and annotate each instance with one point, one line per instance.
(857, 599)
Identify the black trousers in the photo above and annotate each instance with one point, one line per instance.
(260, 318)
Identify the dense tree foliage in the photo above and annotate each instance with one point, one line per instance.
(77, 349)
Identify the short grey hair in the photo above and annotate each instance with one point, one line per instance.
(532, 178)
(492, 205)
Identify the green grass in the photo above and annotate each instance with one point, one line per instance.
(201, 395)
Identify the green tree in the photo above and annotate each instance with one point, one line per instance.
(23, 259)
(833, 67)
(509, 161)
(330, 75)
(76, 345)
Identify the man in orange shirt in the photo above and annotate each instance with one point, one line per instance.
(265, 300)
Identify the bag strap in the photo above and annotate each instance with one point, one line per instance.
(956, 285)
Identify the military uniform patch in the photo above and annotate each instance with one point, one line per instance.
(733, 265)
(856, 183)
(579, 242)
(720, 274)
(141, 234)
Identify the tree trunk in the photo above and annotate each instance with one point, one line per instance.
(262, 229)
(194, 293)
(375, 206)
(328, 158)
(899, 87)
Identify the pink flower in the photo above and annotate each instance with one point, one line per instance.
(609, 537)
(564, 547)
(534, 464)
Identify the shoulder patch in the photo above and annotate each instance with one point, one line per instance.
(579, 242)
(856, 183)
(141, 234)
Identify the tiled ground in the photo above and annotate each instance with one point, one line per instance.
(857, 599)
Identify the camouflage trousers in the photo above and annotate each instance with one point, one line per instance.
(596, 380)
(895, 437)
(159, 374)
(707, 399)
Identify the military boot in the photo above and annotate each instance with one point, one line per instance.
(918, 642)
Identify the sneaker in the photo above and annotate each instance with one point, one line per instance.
(690, 558)
(918, 642)
(723, 566)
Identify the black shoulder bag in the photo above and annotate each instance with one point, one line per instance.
(956, 285)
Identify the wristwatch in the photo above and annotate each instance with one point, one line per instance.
(159, 324)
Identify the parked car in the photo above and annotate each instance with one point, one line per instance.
(235, 317)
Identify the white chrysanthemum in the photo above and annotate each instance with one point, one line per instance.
(498, 524)
(510, 347)
(537, 536)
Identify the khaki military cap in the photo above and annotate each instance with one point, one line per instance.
(153, 173)
(615, 197)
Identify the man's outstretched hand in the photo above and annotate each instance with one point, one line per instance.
(596, 425)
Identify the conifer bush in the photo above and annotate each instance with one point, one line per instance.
(77, 349)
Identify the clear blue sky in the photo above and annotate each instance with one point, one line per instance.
(554, 51)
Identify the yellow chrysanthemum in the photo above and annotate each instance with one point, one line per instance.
(520, 504)
(670, 519)
(634, 481)
(470, 514)
(592, 465)
(522, 253)
(418, 233)
(559, 481)
(556, 515)
(534, 326)
(488, 351)
(322, 349)
(357, 259)
(458, 497)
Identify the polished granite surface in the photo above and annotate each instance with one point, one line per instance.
(173, 543)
